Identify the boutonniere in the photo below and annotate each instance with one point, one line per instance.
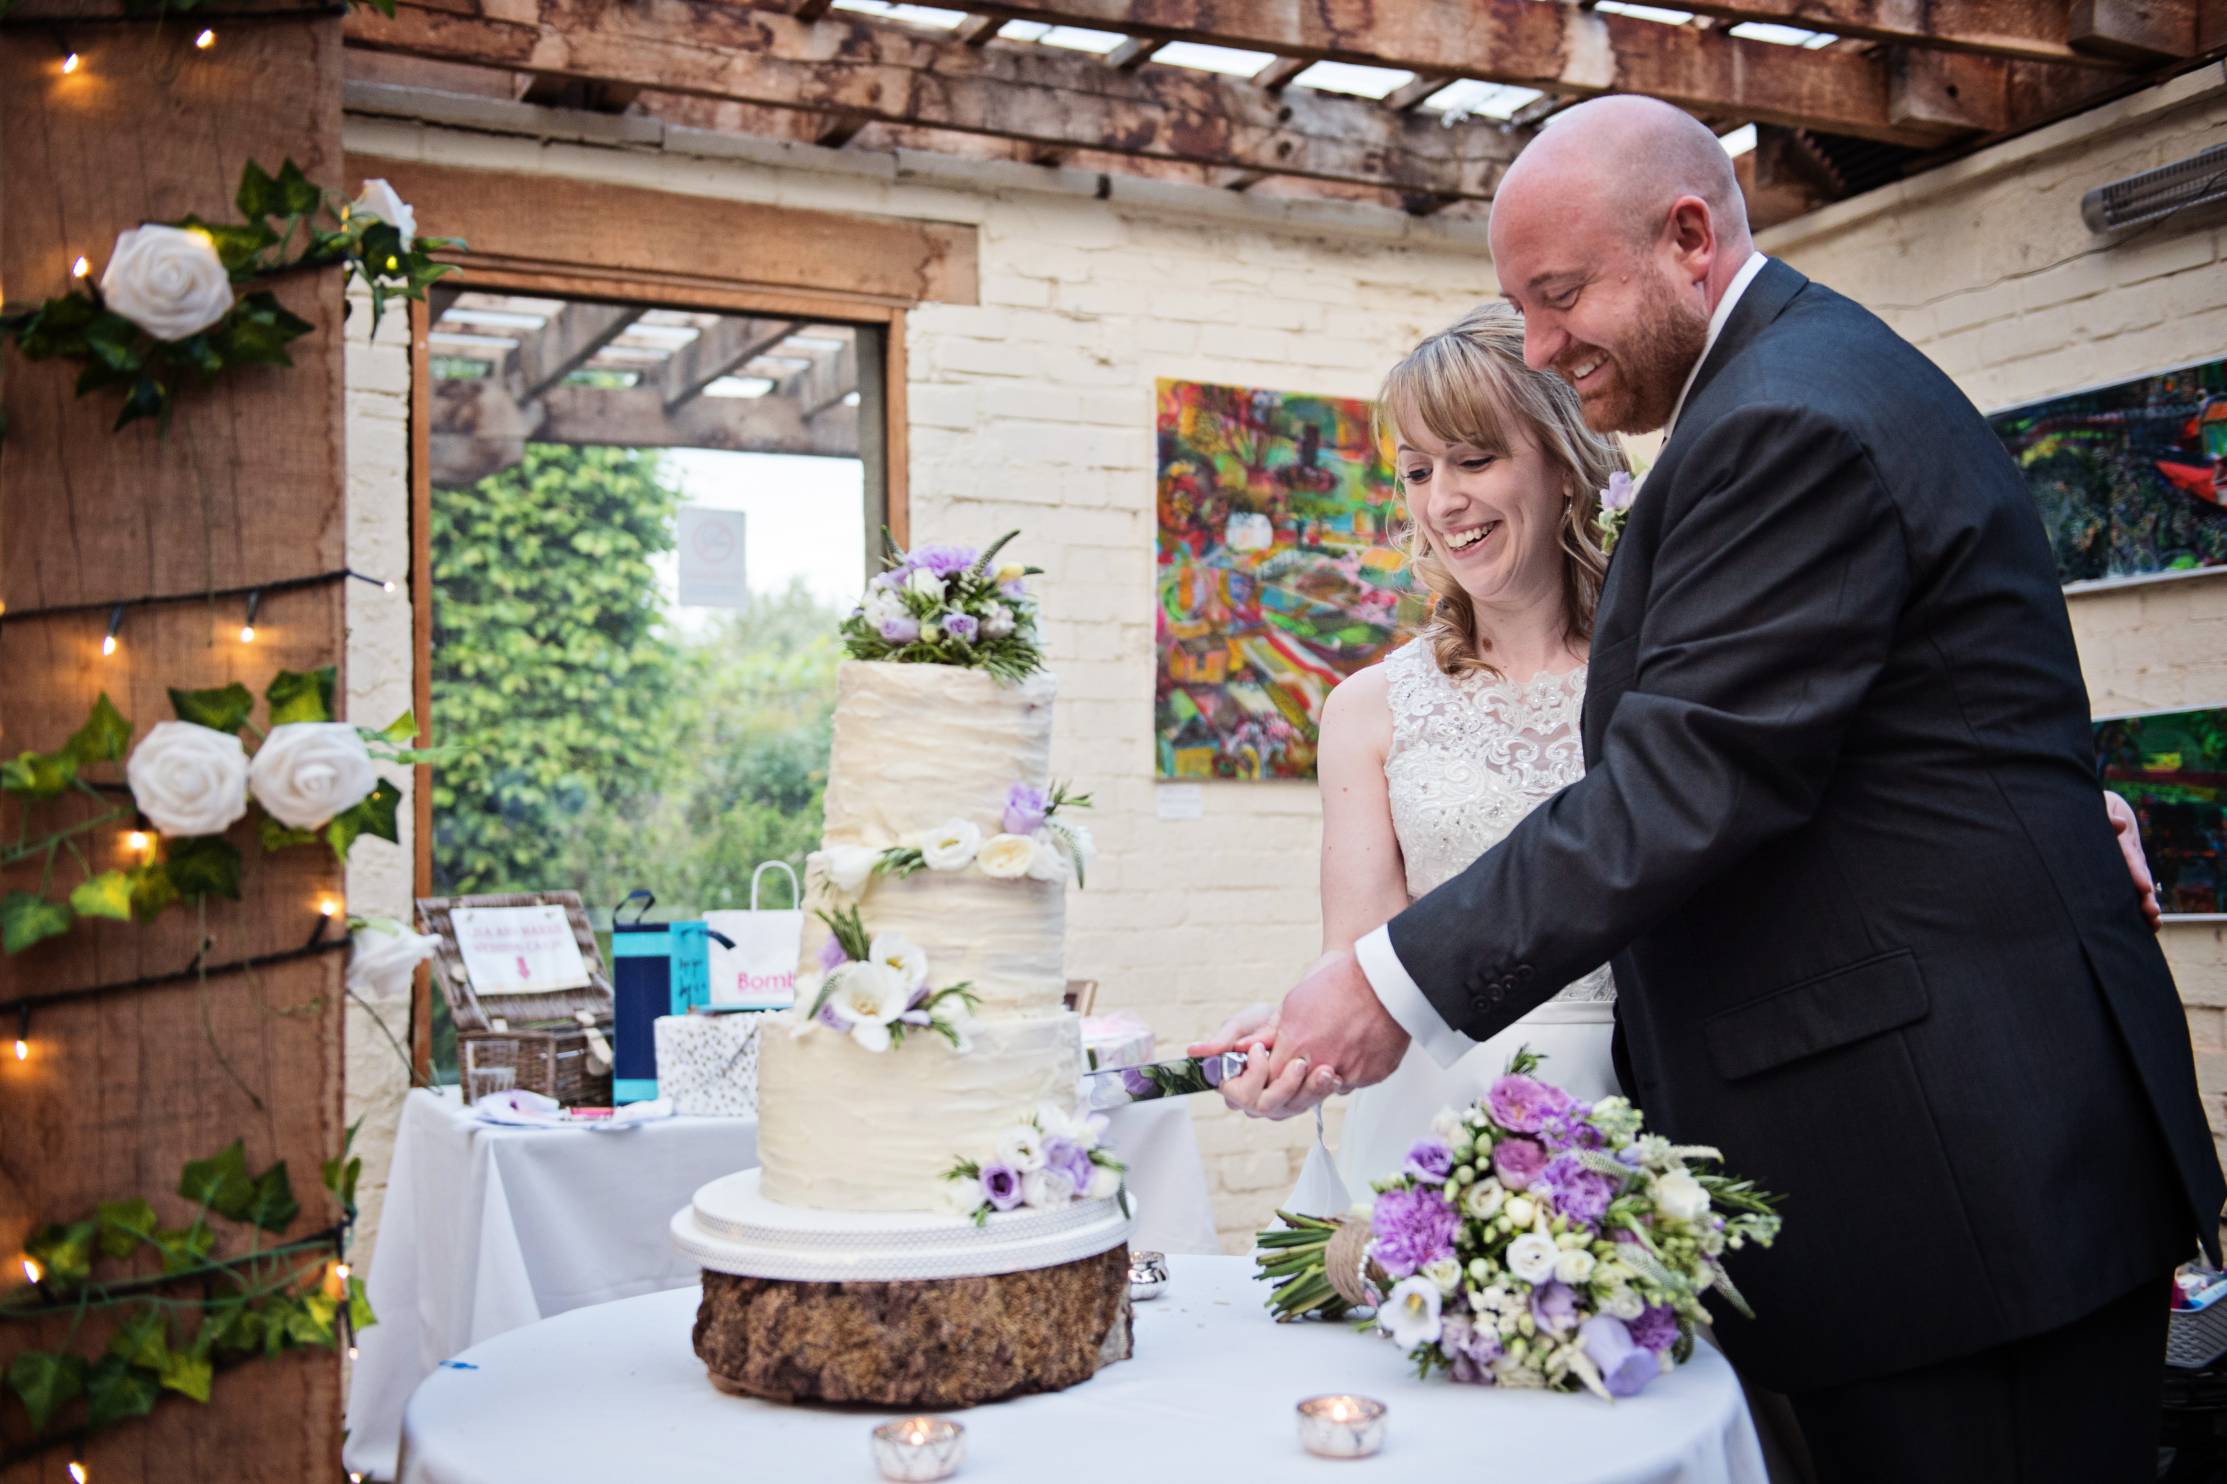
(1616, 504)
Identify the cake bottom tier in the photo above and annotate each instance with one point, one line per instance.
(943, 1342)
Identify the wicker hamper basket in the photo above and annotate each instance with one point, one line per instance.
(540, 1036)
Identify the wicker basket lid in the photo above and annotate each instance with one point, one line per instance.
(470, 1013)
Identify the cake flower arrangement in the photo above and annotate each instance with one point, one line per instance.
(875, 990)
(1531, 1241)
(1049, 1161)
(1034, 842)
(949, 605)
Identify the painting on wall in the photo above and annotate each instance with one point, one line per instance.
(1277, 574)
(2172, 767)
(2131, 479)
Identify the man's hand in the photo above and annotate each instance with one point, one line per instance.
(2130, 846)
(1331, 1021)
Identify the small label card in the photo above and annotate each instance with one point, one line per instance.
(1179, 801)
(712, 574)
(518, 950)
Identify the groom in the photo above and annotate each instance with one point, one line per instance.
(1839, 835)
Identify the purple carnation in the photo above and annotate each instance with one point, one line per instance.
(962, 626)
(1066, 1154)
(941, 560)
(1656, 1327)
(1518, 1162)
(1471, 1348)
(1580, 1194)
(1524, 1103)
(1026, 809)
(1554, 1307)
(1569, 1129)
(1429, 1160)
(1412, 1227)
(900, 628)
(1001, 1186)
(1625, 1367)
(889, 581)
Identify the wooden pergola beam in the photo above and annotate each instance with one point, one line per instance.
(562, 346)
(478, 429)
(723, 349)
(1061, 102)
(2023, 30)
(1561, 49)
(824, 384)
(1134, 52)
(1410, 95)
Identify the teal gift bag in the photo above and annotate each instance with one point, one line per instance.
(657, 969)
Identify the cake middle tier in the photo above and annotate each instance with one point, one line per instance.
(1004, 939)
(841, 1128)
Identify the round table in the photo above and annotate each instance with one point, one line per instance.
(615, 1392)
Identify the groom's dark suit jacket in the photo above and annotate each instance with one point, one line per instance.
(1841, 836)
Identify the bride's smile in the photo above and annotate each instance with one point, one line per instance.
(1490, 515)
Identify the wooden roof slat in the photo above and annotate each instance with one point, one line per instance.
(722, 350)
(1410, 95)
(567, 342)
(2026, 30)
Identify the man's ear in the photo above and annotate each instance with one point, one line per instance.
(1690, 233)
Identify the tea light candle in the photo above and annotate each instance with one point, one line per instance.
(1341, 1426)
(917, 1448)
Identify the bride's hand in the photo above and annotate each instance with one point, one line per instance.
(1255, 1025)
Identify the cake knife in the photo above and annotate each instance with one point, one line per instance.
(1117, 1086)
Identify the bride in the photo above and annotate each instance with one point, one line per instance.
(1429, 757)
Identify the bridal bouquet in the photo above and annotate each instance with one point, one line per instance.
(1531, 1241)
(949, 605)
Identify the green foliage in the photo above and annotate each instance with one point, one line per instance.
(27, 918)
(222, 710)
(301, 697)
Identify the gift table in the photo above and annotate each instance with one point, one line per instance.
(615, 1392)
(487, 1229)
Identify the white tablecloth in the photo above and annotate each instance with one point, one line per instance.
(616, 1393)
(487, 1229)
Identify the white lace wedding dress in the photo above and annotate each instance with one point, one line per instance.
(1469, 759)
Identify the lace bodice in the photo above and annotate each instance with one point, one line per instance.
(1469, 759)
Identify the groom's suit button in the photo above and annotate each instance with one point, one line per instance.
(1522, 973)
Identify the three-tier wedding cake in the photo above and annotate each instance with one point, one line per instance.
(931, 1222)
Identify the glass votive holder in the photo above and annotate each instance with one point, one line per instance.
(917, 1448)
(1148, 1275)
(1341, 1426)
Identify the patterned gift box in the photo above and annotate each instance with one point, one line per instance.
(708, 1064)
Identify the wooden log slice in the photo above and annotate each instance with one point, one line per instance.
(946, 1342)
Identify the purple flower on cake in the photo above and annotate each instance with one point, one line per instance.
(1026, 809)
(1656, 1327)
(900, 628)
(1066, 1154)
(963, 627)
(941, 560)
(832, 957)
(1412, 1227)
(1524, 1104)
(1001, 1186)
(1430, 1161)
(1518, 1161)
(1625, 1367)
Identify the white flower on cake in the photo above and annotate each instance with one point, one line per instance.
(952, 847)
(1006, 857)
(1105, 1184)
(380, 203)
(1411, 1312)
(997, 621)
(849, 867)
(1051, 1161)
(1532, 1256)
(169, 281)
(1049, 863)
(188, 779)
(925, 584)
(866, 997)
(1680, 1197)
(1021, 1147)
(905, 959)
(308, 771)
(1047, 1186)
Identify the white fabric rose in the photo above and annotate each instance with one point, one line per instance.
(1574, 1266)
(1046, 1187)
(1022, 1148)
(960, 1197)
(1105, 1184)
(1410, 1313)
(1007, 857)
(849, 867)
(188, 779)
(951, 847)
(383, 956)
(308, 771)
(926, 584)
(1680, 1197)
(867, 998)
(905, 959)
(379, 202)
(169, 281)
(1532, 1256)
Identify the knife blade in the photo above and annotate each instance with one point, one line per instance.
(1117, 1086)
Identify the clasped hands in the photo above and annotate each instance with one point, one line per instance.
(1330, 1035)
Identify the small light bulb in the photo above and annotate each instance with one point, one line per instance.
(330, 908)
(394, 264)
(81, 268)
(108, 644)
(70, 64)
(31, 1269)
(387, 586)
(352, 1354)
(247, 633)
(77, 1472)
(342, 1271)
(136, 840)
(23, 1053)
(205, 40)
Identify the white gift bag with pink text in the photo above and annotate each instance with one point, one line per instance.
(759, 972)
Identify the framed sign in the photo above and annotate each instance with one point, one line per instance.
(518, 950)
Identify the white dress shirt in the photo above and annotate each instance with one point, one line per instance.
(1403, 999)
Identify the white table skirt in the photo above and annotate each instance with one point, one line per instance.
(616, 1392)
(487, 1229)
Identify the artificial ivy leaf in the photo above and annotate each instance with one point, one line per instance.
(148, 398)
(142, 1340)
(115, 1392)
(104, 738)
(114, 342)
(241, 1331)
(220, 1182)
(66, 1252)
(236, 243)
(45, 1383)
(151, 889)
(296, 696)
(403, 728)
(258, 196)
(360, 1316)
(224, 709)
(106, 895)
(124, 1225)
(340, 1179)
(297, 192)
(272, 1205)
(310, 1322)
(185, 1247)
(205, 865)
(375, 816)
(26, 918)
(188, 1375)
(276, 836)
(256, 332)
(38, 775)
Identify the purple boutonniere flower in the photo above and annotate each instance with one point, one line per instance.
(1616, 504)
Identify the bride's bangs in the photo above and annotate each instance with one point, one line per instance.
(1449, 388)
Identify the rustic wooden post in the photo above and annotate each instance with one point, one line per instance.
(119, 1090)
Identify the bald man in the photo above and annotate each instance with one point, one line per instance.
(1839, 836)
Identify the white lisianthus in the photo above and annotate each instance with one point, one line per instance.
(1482, 1201)
(1445, 1272)
(1058, 1123)
(1623, 1304)
(1532, 1256)
(380, 203)
(1520, 1211)
(1046, 1187)
(960, 1197)
(1022, 1147)
(1574, 1266)
(1493, 1300)
(1104, 1185)
(849, 867)
(169, 281)
(1410, 1313)
(904, 959)
(188, 779)
(1679, 1196)
(308, 771)
(1011, 572)
(383, 955)
(926, 584)
(1050, 861)
(881, 605)
(997, 621)
(867, 998)
(952, 846)
(1007, 857)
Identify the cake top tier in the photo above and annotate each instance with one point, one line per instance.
(916, 745)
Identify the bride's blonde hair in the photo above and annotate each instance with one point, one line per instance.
(1468, 384)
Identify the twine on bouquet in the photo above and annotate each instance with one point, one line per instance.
(1320, 1266)
(1345, 1263)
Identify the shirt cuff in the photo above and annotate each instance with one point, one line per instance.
(1404, 1001)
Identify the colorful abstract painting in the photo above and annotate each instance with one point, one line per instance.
(2131, 479)
(2172, 767)
(1277, 578)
